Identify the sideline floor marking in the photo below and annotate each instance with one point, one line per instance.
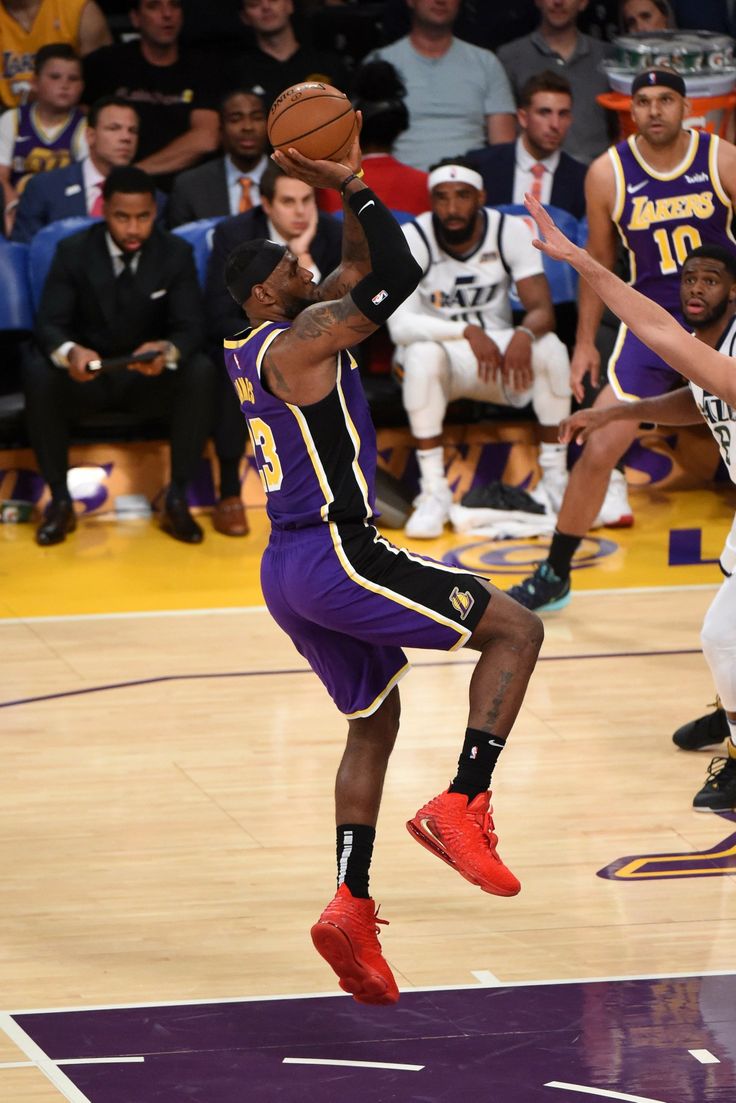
(603, 1094)
(351, 1064)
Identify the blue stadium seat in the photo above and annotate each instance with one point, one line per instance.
(562, 279)
(16, 308)
(199, 235)
(43, 246)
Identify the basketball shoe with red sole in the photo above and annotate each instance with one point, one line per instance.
(460, 832)
(346, 935)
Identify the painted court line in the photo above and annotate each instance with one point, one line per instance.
(36, 1055)
(487, 978)
(704, 1056)
(77, 1061)
(231, 610)
(288, 671)
(336, 992)
(601, 1093)
(351, 1064)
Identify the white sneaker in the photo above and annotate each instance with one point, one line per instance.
(431, 513)
(615, 513)
(550, 490)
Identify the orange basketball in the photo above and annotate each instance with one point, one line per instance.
(316, 119)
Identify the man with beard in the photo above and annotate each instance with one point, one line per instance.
(663, 192)
(349, 600)
(708, 301)
(455, 336)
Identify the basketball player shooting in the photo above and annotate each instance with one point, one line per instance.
(350, 600)
(705, 358)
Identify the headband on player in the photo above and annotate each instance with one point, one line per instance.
(249, 264)
(455, 174)
(652, 78)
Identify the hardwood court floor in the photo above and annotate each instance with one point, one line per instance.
(166, 794)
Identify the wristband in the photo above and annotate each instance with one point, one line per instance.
(349, 179)
(529, 332)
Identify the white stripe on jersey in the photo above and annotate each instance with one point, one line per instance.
(717, 414)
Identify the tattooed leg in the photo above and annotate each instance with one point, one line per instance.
(509, 638)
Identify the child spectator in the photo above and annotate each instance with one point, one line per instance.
(46, 134)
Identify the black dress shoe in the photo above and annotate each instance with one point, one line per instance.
(59, 518)
(179, 523)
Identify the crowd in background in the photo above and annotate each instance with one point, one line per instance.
(178, 93)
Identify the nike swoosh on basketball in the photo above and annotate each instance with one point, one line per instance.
(631, 188)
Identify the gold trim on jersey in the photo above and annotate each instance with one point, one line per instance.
(463, 633)
(354, 437)
(229, 343)
(620, 393)
(715, 177)
(378, 701)
(678, 170)
(620, 178)
(314, 457)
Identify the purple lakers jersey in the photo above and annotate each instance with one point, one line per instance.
(317, 463)
(661, 217)
(36, 151)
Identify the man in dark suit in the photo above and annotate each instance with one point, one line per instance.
(231, 183)
(121, 288)
(288, 215)
(535, 162)
(112, 137)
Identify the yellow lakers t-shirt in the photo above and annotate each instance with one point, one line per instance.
(56, 21)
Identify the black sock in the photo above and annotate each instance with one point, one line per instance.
(354, 853)
(177, 492)
(229, 478)
(60, 491)
(476, 762)
(561, 551)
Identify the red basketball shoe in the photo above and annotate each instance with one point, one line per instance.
(460, 832)
(346, 935)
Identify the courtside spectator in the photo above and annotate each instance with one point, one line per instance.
(27, 25)
(112, 135)
(229, 184)
(558, 44)
(279, 59)
(173, 90)
(458, 95)
(536, 162)
(120, 288)
(47, 133)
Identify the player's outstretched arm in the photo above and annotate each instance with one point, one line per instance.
(676, 408)
(649, 321)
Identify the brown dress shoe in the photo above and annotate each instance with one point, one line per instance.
(228, 517)
(59, 518)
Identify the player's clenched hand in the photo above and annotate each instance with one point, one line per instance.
(517, 363)
(581, 424)
(586, 360)
(486, 352)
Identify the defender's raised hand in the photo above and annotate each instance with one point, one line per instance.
(555, 244)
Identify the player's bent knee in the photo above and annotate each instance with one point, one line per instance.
(506, 620)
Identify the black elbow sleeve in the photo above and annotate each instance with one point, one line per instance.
(394, 272)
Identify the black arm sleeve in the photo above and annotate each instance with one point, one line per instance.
(394, 272)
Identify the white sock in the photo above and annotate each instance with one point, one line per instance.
(553, 457)
(432, 467)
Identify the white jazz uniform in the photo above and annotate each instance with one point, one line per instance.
(438, 363)
(718, 633)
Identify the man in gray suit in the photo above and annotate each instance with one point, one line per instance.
(231, 183)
